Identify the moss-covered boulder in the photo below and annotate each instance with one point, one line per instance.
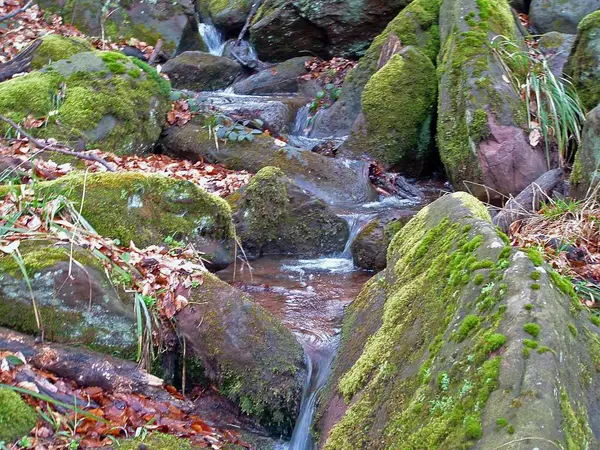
(101, 99)
(246, 352)
(54, 47)
(556, 47)
(230, 15)
(17, 418)
(283, 29)
(583, 66)
(481, 118)
(75, 299)
(329, 179)
(586, 169)
(369, 248)
(560, 15)
(201, 71)
(283, 78)
(274, 216)
(398, 105)
(147, 209)
(415, 25)
(174, 22)
(463, 342)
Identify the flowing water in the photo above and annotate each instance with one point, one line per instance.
(212, 38)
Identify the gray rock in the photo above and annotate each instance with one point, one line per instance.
(556, 47)
(201, 71)
(274, 216)
(282, 78)
(462, 342)
(586, 169)
(229, 14)
(560, 15)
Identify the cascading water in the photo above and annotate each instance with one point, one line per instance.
(356, 222)
(212, 38)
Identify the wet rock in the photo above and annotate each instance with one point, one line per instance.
(283, 29)
(173, 22)
(452, 344)
(276, 112)
(243, 53)
(369, 248)
(146, 209)
(481, 123)
(76, 300)
(336, 181)
(201, 71)
(249, 354)
(398, 106)
(586, 173)
(274, 216)
(583, 66)
(559, 15)
(556, 47)
(109, 102)
(415, 25)
(282, 78)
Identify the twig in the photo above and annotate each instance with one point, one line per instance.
(58, 148)
(156, 51)
(17, 11)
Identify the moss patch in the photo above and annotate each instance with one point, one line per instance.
(17, 418)
(55, 47)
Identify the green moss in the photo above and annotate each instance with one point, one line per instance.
(535, 275)
(573, 330)
(501, 422)
(470, 323)
(543, 349)
(156, 441)
(528, 306)
(473, 428)
(595, 319)
(494, 342)
(479, 279)
(535, 256)
(510, 429)
(577, 430)
(536, 286)
(479, 130)
(532, 328)
(17, 418)
(55, 47)
(530, 344)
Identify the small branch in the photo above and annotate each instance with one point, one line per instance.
(58, 148)
(157, 49)
(17, 11)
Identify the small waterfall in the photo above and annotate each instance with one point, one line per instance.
(319, 363)
(356, 222)
(301, 126)
(212, 38)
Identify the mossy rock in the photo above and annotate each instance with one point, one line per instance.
(398, 105)
(201, 71)
(246, 352)
(147, 209)
(54, 47)
(556, 47)
(157, 441)
(416, 25)
(227, 14)
(274, 216)
(174, 23)
(481, 118)
(332, 180)
(583, 66)
(83, 307)
(17, 418)
(432, 352)
(586, 174)
(101, 99)
(559, 15)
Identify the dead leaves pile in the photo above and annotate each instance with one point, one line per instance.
(333, 71)
(109, 415)
(18, 160)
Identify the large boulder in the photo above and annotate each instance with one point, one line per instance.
(369, 247)
(583, 66)
(398, 105)
(481, 122)
(282, 78)
(332, 180)
(463, 342)
(147, 209)
(199, 71)
(586, 168)
(174, 22)
(556, 48)
(416, 25)
(54, 47)
(226, 14)
(274, 216)
(560, 15)
(250, 355)
(98, 99)
(75, 299)
(283, 29)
